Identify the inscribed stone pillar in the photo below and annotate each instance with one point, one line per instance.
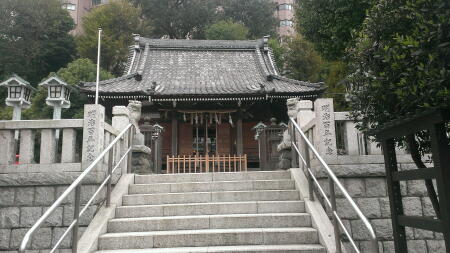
(120, 120)
(93, 133)
(325, 132)
(7, 155)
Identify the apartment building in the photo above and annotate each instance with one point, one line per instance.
(78, 9)
(285, 15)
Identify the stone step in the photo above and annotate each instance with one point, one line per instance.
(208, 177)
(202, 197)
(251, 207)
(296, 248)
(269, 220)
(212, 186)
(208, 237)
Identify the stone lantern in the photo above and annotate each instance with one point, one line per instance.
(58, 94)
(19, 94)
(157, 130)
(259, 128)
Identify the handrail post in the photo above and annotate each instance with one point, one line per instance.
(108, 186)
(130, 145)
(337, 235)
(76, 217)
(308, 166)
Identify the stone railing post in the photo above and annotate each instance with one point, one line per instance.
(305, 114)
(93, 133)
(325, 134)
(7, 155)
(120, 120)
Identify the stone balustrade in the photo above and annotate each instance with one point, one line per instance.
(39, 149)
(359, 164)
(45, 166)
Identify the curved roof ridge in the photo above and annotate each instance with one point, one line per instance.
(262, 64)
(307, 84)
(201, 44)
(112, 80)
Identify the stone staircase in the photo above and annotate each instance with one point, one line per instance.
(212, 212)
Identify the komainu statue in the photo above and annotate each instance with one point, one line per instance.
(285, 147)
(134, 113)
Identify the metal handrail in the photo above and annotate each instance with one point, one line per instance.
(331, 203)
(76, 185)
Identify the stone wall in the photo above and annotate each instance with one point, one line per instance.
(362, 172)
(364, 179)
(22, 203)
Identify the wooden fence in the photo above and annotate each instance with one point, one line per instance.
(199, 164)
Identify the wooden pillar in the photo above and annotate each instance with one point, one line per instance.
(174, 133)
(239, 145)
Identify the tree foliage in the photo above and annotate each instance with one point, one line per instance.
(34, 38)
(278, 51)
(302, 62)
(178, 19)
(226, 30)
(400, 63)
(256, 15)
(400, 66)
(80, 70)
(329, 24)
(118, 20)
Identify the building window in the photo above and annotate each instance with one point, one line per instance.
(69, 6)
(286, 23)
(285, 7)
(99, 2)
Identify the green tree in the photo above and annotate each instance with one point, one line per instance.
(329, 24)
(178, 19)
(34, 38)
(119, 20)
(278, 53)
(400, 65)
(302, 62)
(256, 15)
(226, 30)
(80, 70)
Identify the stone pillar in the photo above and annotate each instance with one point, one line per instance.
(239, 136)
(325, 132)
(120, 120)
(26, 146)
(7, 155)
(68, 145)
(174, 133)
(93, 133)
(305, 112)
(48, 146)
(352, 140)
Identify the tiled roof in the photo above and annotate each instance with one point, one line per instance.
(168, 68)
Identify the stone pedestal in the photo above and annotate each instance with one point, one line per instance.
(285, 159)
(141, 160)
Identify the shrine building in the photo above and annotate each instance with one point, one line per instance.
(206, 94)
